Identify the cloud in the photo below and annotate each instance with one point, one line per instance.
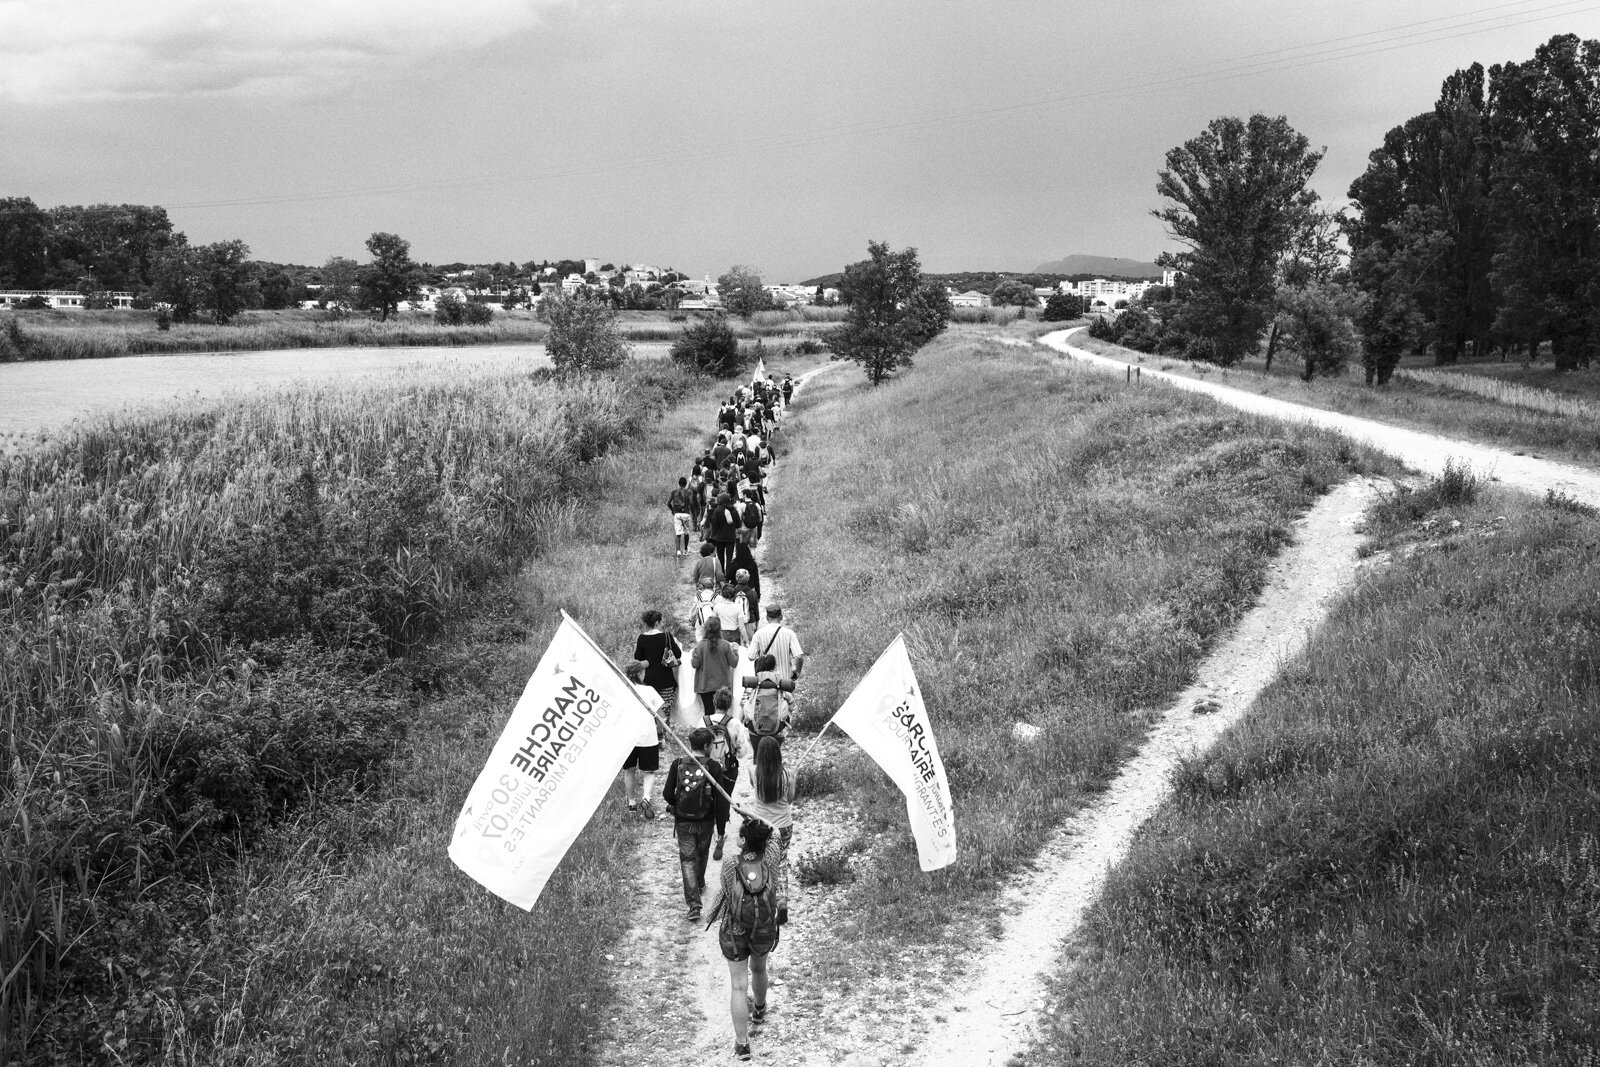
(95, 50)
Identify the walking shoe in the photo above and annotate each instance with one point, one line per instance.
(741, 1052)
(694, 913)
(758, 1014)
(716, 852)
(647, 809)
(633, 806)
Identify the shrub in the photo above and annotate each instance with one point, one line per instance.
(583, 336)
(1457, 486)
(831, 867)
(36, 302)
(709, 347)
(14, 344)
(815, 780)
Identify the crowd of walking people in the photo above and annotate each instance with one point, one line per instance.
(740, 672)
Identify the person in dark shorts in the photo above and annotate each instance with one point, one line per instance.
(753, 904)
(657, 654)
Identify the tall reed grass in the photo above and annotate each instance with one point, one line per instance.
(1059, 549)
(1504, 392)
(1406, 401)
(202, 619)
(1396, 857)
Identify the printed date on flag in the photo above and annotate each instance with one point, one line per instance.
(575, 723)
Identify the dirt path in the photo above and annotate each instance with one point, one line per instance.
(1425, 451)
(672, 983)
(993, 1016)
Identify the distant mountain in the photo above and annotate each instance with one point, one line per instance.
(1101, 267)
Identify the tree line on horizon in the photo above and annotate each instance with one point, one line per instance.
(1475, 227)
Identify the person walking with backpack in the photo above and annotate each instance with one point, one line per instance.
(694, 794)
(707, 568)
(714, 661)
(771, 699)
(732, 614)
(722, 525)
(753, 904)
(730, 748)
(680, 502)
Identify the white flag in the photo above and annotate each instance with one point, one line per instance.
(886, 717)
(761, 371)
(570, 732)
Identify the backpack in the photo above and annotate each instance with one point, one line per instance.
(752, 515)
(703, 611)
(695, 801)
(721, 747)
(679, 500)
(767, 712)
(755, 908)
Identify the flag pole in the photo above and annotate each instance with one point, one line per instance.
(654, 712)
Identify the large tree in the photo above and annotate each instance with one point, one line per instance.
(742, 291)
(391, 276)
(1239, 197)
(892, 311)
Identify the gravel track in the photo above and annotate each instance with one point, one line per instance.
(667, 964)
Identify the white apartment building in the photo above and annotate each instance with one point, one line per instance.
(1106, 289)
(61, 298)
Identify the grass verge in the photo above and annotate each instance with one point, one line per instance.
(1395, 858)
(1058, 549)
(1406, 401)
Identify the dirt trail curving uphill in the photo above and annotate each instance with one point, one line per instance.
(672, 983)
(1425, 451)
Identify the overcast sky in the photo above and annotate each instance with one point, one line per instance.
(701, 133)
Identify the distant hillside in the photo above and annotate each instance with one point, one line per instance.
(1100, 267)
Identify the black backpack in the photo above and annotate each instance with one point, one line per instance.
(755, 908)
(752, 515)
(695, 800)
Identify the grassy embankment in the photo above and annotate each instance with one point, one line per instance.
(233, 745)
(1568, 433)
(47, 335)
(1060, 550)
(1396, 857)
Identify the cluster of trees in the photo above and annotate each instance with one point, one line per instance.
(1479, 221)
(90, 248)
(1475, 225)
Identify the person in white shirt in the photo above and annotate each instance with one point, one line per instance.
(779, 641)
